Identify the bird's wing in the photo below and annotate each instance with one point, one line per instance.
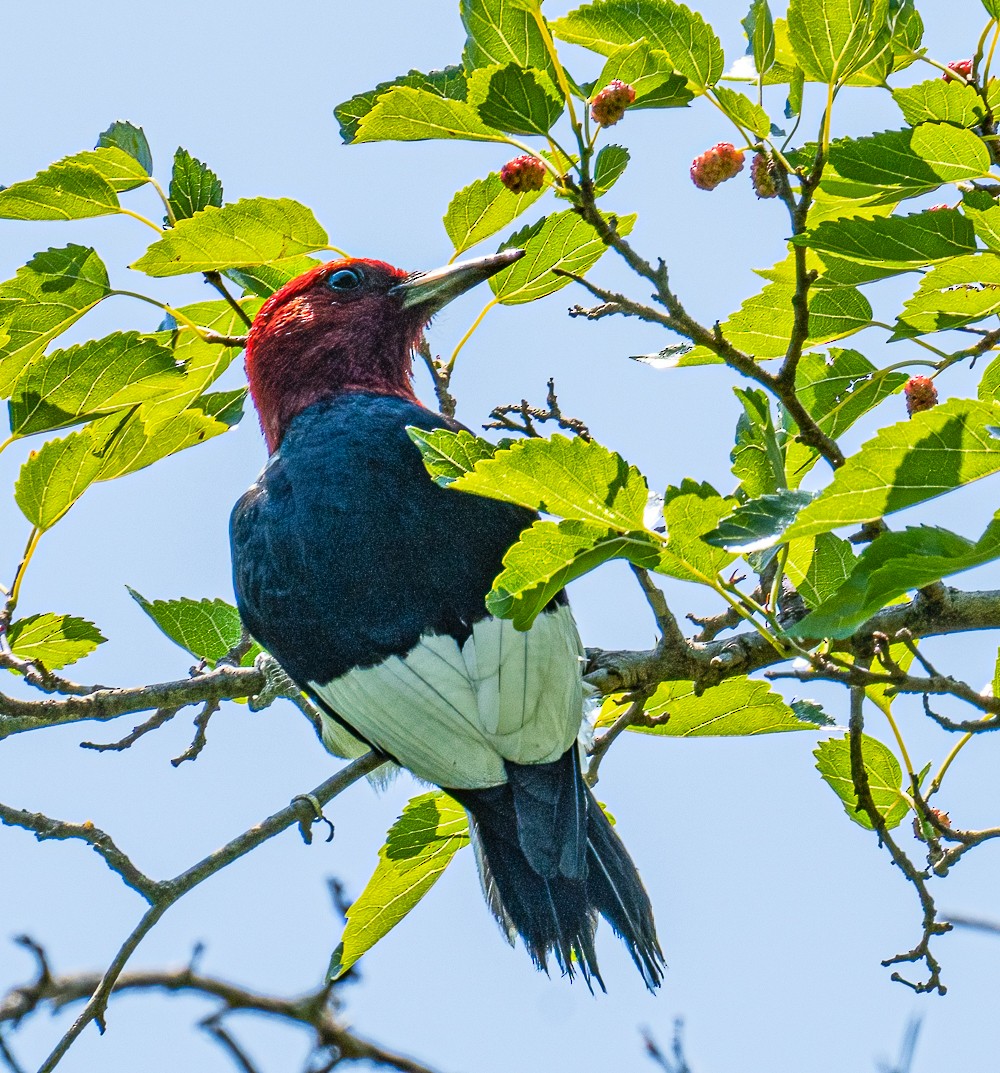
(454, 713)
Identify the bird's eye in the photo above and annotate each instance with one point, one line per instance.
(344, 279)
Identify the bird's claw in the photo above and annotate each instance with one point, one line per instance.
(305, 825)
(276, 683)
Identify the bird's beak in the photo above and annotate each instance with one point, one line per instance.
(430, 291)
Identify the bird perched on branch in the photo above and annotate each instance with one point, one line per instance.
(367, 582)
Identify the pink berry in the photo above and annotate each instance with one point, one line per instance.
(762, 175)
(939, 207)
(921, 394)
(609, 105)
(523, 174)
(960, 67)
(716, 165)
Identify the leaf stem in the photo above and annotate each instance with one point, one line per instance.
(468, 335)
(142, 219)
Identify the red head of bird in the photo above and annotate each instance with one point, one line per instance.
(349, 325)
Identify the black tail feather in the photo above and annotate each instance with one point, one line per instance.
(550, 862)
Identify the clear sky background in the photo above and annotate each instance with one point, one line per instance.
(773, 909)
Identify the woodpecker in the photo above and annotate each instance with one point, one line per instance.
(367, 582)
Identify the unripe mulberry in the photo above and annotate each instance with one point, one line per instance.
(523, 174)
(940, 207)
(960, 67)
(716, 165)
(921, 394)
(609, 105)
(762, 175)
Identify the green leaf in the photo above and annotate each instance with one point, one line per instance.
(208, 629)
(818, 566)
(744, 111)
(97, 377)
(563, 241)
(759, 454)
(248, 232)
(840, 387)
(650, 72)
(117, 167)
(989, 386)
(907, 33)
(481, 209)
(895, 242)
(448, 455)
(193, 187)
(834, 38)
(737, 707)
(984, 213)
(549, 555)
(520, 101)
(264, 280)
(682, 34)
(502, 32)
(894, 564)
(402, 114)
(759, 27)
(55, 641)
(54, 477)
(959, 292)
(907, 463)
(689, 511)
(899, 164)
(572, 478)
(448, 82)
(759, 523)
(224, 406)
(935, 99)
(129, 139)
(418, 848)
(609, 165)
(51, 292)
(833, 762)
(60, 192)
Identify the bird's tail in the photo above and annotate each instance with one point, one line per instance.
(550, 862)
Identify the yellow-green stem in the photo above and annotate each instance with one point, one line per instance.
(989, 57)
(15, 589)
(468, 335)
(550, 48)
(142, 219)
(166, 201)
(948, 760)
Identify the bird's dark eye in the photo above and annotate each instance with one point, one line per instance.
(344, 279)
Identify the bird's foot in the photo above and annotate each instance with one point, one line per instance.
(306, 822)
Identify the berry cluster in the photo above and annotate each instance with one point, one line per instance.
(762, 169)
(716, 165)
(609, 105)
(960, 67)
(921, 394)
(523, 174)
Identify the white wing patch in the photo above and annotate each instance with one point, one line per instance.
(453, 715)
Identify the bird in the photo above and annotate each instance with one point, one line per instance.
(366, 581)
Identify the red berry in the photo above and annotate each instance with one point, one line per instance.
(921, 394)
(960, 67)
(716, 165)
(522, 174)
(609, 105)
(762, 175)
(939, 207)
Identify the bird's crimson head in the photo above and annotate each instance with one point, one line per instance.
(349, 325)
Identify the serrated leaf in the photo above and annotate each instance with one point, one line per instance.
(989, 385)
(224, 406)
(737, 707)
(758, 456)
(53, 640)
(447, 455)
(833, 762)
(402, 114)
(946, 102)
(549, 555)
(502, 32)
(682, 34)
(264, 280)
(571, 478)
(758, 523)
(97, 377)
(840, 387)
(984, 213)
(448, 82)
(60, 192)
(894, 564)
(609, 165)
(818, 566)
(193, 187)
(834, 38)
(520, 101)
(418, 848)
(52, 291)
(902, 243)
(208, 629)
(252, 231)
(129, 139)
(562, 240)
(689, 511)
(481, 209)
(117, 167)
(907, 463)
(744, 111)
(759, 27)
(961, 291)
(650, 72)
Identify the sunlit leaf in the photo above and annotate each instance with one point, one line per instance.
(53, 640)
(833, 762)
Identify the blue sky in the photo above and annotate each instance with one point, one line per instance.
(772, 908)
